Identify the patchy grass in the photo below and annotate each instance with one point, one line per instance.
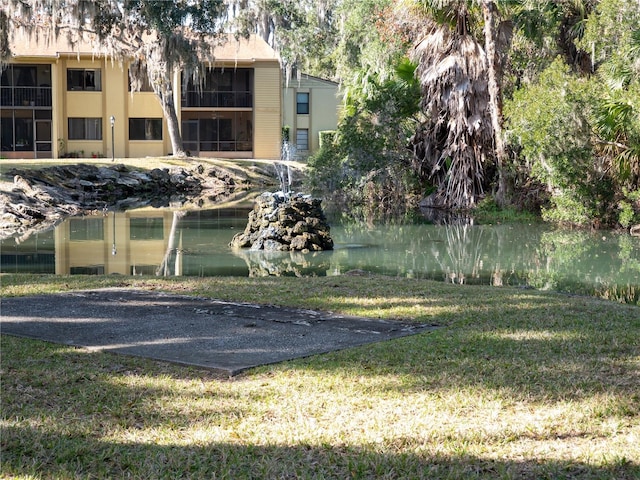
(520, 384)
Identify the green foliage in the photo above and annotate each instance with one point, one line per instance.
(365, 160)
(549, 122)
(303, 32)
(326, 136)
(286, 133)
(325, 167)
(611, 26)
(566, 208)
(613, 36)
(487, 211)
(629, 209)
(165, 17)
(360, 46)
(617, 124)
(374, 127)
(626, 215)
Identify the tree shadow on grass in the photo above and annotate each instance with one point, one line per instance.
(46, 455)
(540, 347)
(64, 403)
(537, 346)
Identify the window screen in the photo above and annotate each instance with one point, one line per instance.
(85, 129)
(302, 103)
(145, 129)
(302, 139)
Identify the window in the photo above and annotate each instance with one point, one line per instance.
(143, 270)
(302, 103)
(222, 131)
(25, 86)
(17, 133)
(85, 129)
(84, 79)
(22, 129)
(7, 127)
(302, 139)
(145, 129)
(82, 229)
(146, 228)
(90, 270)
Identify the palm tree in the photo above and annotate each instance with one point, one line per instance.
(616, 117)
(458, 138)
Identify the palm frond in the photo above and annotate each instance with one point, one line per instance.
(635, 42)
(451, 144)
(611, 117)
(406, 70)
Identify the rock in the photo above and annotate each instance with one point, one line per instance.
(21, 184)
(159, 175)
(280, 223)
(127, 181)
(41, 198)
(140, 176)
(107, 173)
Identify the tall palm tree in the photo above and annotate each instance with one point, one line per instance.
(461, 102)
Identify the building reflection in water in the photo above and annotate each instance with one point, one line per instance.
(138, 246)
(145, 241)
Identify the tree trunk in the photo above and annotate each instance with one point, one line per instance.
(489, 11)
(159, 76)
(169, 109)
(163, 268)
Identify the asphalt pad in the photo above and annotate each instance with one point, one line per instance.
(223, 336)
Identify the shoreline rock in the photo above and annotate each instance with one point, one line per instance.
(40, 199)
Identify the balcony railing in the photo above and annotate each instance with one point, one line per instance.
(25, 96)
(211, 98)
(222, 146)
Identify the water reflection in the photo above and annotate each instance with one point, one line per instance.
(195, 243)
(284, 264)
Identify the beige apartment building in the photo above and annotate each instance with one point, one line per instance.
(58, 100)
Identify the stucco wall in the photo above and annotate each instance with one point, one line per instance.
(324, 107)
(267, 116)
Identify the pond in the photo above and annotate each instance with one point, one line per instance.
(164, 242)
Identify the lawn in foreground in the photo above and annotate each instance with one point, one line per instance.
(518, 384)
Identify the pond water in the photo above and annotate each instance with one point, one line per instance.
(165, 242)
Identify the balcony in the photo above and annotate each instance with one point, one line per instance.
(216, 99)
(25, 96)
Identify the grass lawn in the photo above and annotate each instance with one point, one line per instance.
(517, 384)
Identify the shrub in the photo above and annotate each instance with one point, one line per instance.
(629, 209)
(550, 123)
